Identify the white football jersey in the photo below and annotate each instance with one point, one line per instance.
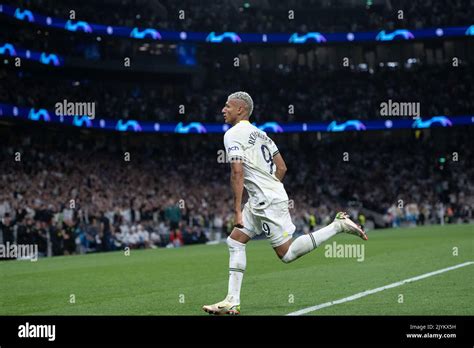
(246, 142)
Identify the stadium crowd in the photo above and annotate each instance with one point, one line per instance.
(79, 196)
(314, 96)
(263, 16)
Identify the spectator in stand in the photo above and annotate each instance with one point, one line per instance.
(176, 238)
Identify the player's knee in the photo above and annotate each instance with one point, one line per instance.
(234, 245)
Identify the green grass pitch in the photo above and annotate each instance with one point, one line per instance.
(180, 281)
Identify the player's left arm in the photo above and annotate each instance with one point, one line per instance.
(280, 166)
(278, 161)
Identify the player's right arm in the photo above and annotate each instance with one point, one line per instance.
(280, 166)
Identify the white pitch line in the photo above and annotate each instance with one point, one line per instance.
(382, 288)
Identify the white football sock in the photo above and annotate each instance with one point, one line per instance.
(237, 264)
(322, 235)
(308, 242)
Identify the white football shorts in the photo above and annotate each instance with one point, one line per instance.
(274, 221)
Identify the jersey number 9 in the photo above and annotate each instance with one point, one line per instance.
(266, 152)
(266, 229)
